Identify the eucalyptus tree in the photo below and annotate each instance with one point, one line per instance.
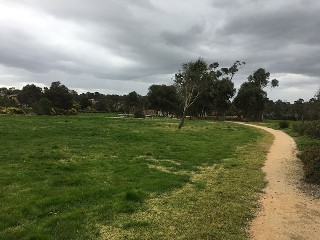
(163, 98)
(222, 87)
(190, 82)
(30, 94)
(251, 98)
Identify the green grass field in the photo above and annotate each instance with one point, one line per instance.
(302, 141)
(96, 177)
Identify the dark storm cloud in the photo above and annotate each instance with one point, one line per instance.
(285, 36)
(95, 44)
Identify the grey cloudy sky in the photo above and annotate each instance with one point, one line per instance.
(119, 46)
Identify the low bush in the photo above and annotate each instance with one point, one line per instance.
(311, 160)
(311, 128)
(73, 111)
(283, 124)
(27, 110)
(42, 107)
(299, 128)
(138, 113)
(59, 111)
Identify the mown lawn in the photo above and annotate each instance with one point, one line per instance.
(92, 176)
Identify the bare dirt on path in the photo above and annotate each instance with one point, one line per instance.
(286, 211)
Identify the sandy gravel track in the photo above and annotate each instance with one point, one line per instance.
(286, 212)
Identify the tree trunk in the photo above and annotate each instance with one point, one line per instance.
(182, 119)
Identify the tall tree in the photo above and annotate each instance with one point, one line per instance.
(251, 98)
(59, 95)
(299, 107)
(30, 94)
(190, 82)
(84, 101)
(219, 90)
(317, 94)
(133, 102)
(223, 87)
(163, 98)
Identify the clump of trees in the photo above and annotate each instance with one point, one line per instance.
(199, 89)
(299, 110)
(198, 81)
(251, 98)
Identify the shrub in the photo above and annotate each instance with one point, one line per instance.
(73, 111)
(27, 110)
(313, 129)
(283, 124)
(300, 128)
(311, 160)
(12, 111)
(42, 107)
(138, 113)
(59, 111)
(308, 128)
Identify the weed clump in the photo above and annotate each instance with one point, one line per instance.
(283, 124)
(135, 196)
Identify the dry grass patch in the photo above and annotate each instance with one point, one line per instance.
(218, 203)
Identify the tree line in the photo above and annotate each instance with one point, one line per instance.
(199, 89)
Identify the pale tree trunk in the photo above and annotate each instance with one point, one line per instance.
(187, 103)
(182, 119)
(185, 108)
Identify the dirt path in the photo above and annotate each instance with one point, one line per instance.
(286, 212)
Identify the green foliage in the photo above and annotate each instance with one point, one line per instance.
(310, 128)
(260, 78)
(299, 128)
(73, 111)
(30, 94)
(311, 160)
(84, 102)
(43, 107)
(138, 113)
(283, 124)
(133, 102)
(6, 102)
(12, 111)
(251, 99)
(190, 82)
(58, 111)
(163, 98)
(222, 91)
(210, 85)
(313, 129)
(59, 96)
